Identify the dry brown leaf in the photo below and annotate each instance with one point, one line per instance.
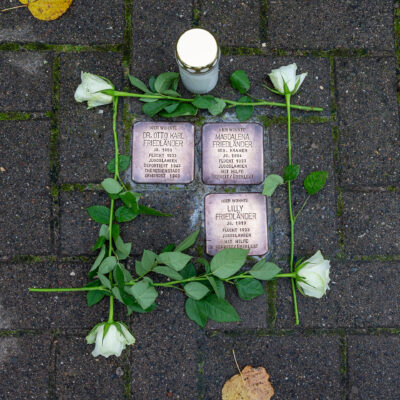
(251, 384)
(47, 10)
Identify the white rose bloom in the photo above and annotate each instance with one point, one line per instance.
(315, 275)
(115, 341)
(288, 75)
(89, 90)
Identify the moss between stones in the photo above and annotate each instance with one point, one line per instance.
(14, 116)
(271, 302)
(282, 120)
(65, 48)
(240, 51)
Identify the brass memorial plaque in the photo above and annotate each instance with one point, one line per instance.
(236, 221)
(233, 154)
(163, 152)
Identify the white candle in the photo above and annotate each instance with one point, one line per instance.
(197, 54)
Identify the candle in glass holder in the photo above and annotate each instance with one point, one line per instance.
(197, 54)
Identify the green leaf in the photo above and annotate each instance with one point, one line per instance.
(219, 310)
(168, 247)
(123, 248)
(107, 265)
(264, 270)
(171, 108)
(227, 262)
(151, 109)
(130, 199)
(291, 172)
(195, 310)
(217, 107)
(125, 214)
(143, 292)
(189, 271)
(249, 288)
(119, 276)
(105, 281)
(99, 258)
(240, 81)
(218, 286)
(175, 260)
(243, 113)
(205, 263)
(104, 231)
(315, 181)
(148, 260)
(196, 290)
(169, 272)
(94, 296)
(100, 214)
(164, 81)
(172, 93)
(115, 231)
(151, 211)
(188, 242)
(123, 164)
(182, 110)
(203, 102)
(138, 84)
(99, 243)
(175, 83)
(136, 308)
(271, 183)
(151, 84)
(110, 185)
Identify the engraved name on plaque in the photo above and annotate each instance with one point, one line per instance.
(236, 221)
(233, 153)
(163, 152)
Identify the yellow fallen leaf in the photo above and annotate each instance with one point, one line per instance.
(47, 10)
(250, 384)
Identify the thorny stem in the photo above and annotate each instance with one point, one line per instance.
(162, 284)
(117, 93)
(292, 219)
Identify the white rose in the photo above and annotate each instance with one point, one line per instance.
(288, 75)
(313, 276)
(115, 340)
(90, 88)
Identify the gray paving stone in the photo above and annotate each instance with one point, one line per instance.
(164, 357)
(81, 376)
(154, 233)
(24, 179)
(78, 232)
(300, 367)
(370, 220)
(86, 138)
(84, 23)
(316, 228)
(369, 142)
(25, 80)
(253, 313)
(233, 23)
(21, 309)
(24, 367)
(330, 24)
(373, 367)
(313, 92)
(156, 28)
(361, 295)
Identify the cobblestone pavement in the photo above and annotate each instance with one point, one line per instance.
(53, 156)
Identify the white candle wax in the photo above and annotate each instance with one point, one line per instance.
(197, 54)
